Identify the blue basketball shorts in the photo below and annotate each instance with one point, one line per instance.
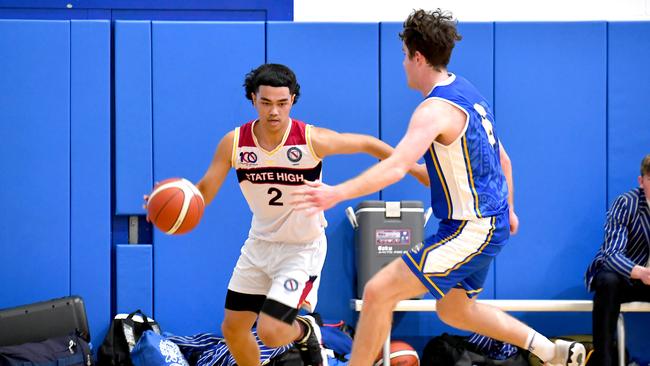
(459, 254)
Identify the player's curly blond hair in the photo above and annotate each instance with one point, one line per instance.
(433, 34)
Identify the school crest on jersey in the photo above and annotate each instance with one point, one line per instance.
(294, 154)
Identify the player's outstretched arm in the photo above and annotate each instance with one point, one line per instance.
(328, 142)
(506, 165)
(429, 120)
(218, 170)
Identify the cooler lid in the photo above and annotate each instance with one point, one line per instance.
(380, 206)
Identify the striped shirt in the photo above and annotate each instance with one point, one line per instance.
(206, 349)
(492, 348)
(627, 237)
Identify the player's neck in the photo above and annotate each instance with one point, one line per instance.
(269, 138)
(431, 79)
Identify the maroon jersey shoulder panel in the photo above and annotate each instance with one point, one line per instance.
(297, 134)
(246, 134)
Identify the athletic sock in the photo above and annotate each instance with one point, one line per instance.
(540, 346)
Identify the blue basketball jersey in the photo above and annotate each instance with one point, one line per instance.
(467, 181)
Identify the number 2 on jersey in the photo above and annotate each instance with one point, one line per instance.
(275, 199)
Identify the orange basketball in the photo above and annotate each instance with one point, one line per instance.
(175, 206)
(401, 354)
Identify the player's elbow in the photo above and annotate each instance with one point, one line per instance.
(396, 172)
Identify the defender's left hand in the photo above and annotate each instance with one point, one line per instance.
(514, 222)
(314, 197)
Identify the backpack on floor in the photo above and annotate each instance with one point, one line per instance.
(124, 333)
(70, 350)
(450, 350)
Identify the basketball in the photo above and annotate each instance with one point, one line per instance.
(401, 354)
(175, 206)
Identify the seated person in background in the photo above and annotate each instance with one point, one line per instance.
(620, 272)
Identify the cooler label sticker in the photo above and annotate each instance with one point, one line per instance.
(392, 241)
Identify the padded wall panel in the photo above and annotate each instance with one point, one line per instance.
(186, 15)
(198, 72)
(628, 94)
(337, 68)
(628, 130)
(472, 58)
(35, 160)
(90, 135)
(550, 81)
(133, 109)
(43, 14)
(134, 278)
(159, 10)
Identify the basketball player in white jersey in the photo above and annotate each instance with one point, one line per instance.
(471, 194)
(280, 263)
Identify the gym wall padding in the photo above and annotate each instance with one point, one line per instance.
(569, 101)
(628, 127)
(201, 10)
(134, 278)
(337, 68)
(35, 160)
(550, 102)
(198, 72)
(90, 159)
(628, 131)
(133, 114)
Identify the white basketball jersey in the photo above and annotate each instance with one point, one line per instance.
(267, 179)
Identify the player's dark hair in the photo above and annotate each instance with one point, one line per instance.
(433, 34)
(271, 75)
(645, 165)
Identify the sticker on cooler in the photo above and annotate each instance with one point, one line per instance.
(392, 241)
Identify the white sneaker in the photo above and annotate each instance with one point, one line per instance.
(568, 354)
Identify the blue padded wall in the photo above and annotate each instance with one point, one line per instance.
(35, 160)
(397, 103)
(134, 278)
(133, 109)
(232, 10)
(198, 72)
(90, 159)
(550, 111)
(628, 129)
(337, 67)
(473, 59)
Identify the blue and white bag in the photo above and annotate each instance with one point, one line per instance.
(154, 350)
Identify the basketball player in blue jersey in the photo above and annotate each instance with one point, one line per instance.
(471, 193)
(280, 263)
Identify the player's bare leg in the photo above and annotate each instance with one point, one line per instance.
(276, 333)
(236, 328)
(459, 311)
(393, 283)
